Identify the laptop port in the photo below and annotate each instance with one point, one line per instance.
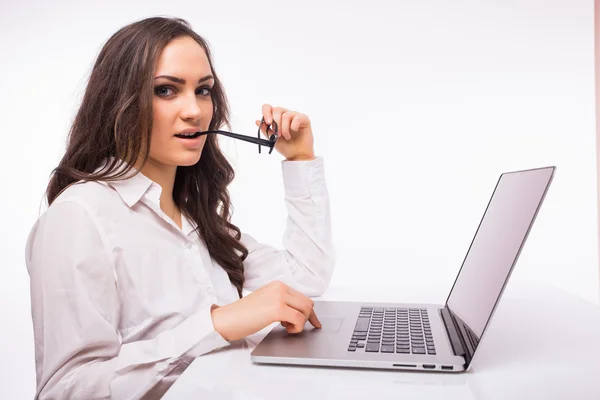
(447, 367)
(429, 366)
(405, 365)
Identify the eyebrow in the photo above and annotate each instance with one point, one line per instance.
(182, 81)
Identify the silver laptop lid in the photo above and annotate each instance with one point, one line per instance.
(493, 253)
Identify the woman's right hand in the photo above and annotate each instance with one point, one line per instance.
(274, 302)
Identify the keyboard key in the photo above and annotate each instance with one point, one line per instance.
(372, 347)
(351, 348)
(360, 345)
(418, 351)
(387, 349)
(362, 324)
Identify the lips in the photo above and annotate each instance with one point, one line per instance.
(189, 135)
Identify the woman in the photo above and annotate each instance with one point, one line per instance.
(135, 266)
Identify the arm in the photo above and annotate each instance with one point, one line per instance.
(75, 309)
(307, 261)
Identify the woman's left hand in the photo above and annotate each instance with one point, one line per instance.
(295, 141)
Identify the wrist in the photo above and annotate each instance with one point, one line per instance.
(301, 157)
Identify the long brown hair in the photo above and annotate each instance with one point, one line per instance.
(115, 119)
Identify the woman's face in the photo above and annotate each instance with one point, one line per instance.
(181, 101)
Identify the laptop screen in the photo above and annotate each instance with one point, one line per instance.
(495, 249)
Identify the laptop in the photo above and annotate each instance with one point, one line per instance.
(424, 336)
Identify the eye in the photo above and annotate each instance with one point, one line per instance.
(207, 90)
(162, 90)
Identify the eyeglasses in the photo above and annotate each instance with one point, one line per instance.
(270, 142)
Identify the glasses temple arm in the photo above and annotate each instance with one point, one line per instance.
(245, 138)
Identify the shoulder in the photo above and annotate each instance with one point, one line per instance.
(70, 234)
(89, 193)
(81, 205)
(96, 198)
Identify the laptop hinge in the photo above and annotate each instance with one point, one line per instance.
(459, 346)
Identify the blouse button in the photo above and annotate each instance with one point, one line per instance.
(188, 245)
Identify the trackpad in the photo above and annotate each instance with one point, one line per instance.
(329, 324)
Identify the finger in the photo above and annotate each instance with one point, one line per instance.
(286, 120)
(306, 302)
(267, 112)
(295, 319)
(277, 112)
(295, 125)
(314, 320)
(304, 305)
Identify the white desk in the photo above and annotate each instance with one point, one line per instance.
(543, 343)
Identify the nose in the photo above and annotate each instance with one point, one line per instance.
(191, 109)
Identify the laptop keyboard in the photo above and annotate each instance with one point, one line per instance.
(393, 330)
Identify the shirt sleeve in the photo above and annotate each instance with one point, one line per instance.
(75, 310)
(307, 261)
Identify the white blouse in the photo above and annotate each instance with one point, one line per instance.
(121, 296)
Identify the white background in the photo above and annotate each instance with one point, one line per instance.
(417, 107)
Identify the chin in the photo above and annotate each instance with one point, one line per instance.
(189, 158)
